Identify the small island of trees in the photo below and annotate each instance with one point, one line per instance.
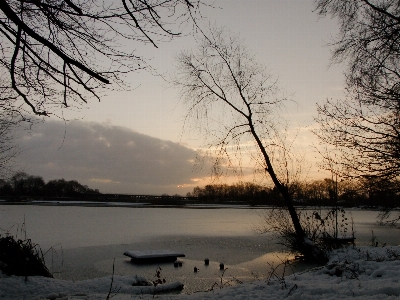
(22, 186)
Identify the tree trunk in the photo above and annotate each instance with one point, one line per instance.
(305, 245)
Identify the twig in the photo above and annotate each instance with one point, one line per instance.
(112, 281)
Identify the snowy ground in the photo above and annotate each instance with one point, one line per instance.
(364, 273)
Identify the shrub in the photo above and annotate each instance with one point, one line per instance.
(21, 258)
(325, 228)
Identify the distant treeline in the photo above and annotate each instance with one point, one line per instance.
(24, 185)
(246, 192)
(368, 191)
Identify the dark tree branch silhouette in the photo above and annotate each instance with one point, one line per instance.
(366, 139)
(62, 53)
(364, 128)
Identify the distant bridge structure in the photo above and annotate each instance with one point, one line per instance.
(100, 199)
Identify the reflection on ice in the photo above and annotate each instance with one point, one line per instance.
(207, 276)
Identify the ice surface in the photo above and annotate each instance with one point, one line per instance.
(361, 273)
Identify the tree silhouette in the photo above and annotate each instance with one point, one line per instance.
(364, 128)
(62, 53)
(236, 102)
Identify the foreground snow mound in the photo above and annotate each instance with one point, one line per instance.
(361, 273)
(37, 287)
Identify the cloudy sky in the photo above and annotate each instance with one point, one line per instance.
(133, 141)
(110, 158)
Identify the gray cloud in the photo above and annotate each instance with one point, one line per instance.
(110, 158)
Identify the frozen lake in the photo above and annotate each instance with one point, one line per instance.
(86, 240)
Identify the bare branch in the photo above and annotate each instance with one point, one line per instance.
(235, 97)
(64, 53)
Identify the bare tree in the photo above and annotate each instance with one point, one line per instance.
(233, 98)
(369, 42)
(364, 138)
(63, 52)
(365, 127)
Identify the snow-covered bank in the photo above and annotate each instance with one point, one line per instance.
(364, 273)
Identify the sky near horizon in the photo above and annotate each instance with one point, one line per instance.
(285, 35)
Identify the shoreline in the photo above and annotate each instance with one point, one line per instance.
(79, 203)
